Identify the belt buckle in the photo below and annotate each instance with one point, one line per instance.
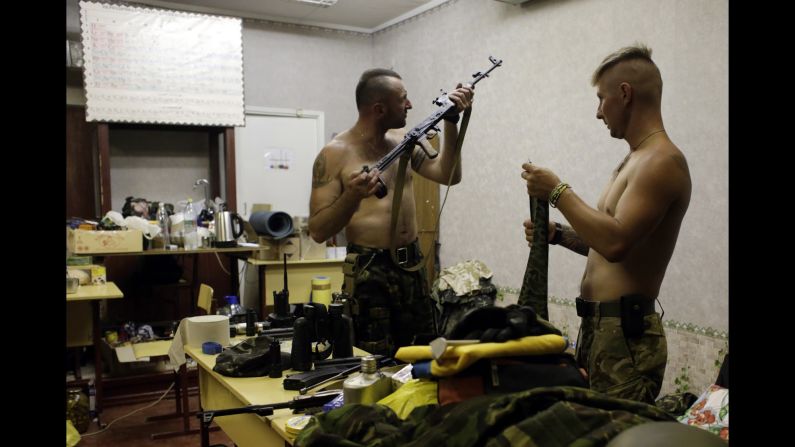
(402, 254)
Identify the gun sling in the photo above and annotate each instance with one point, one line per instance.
(398, 197)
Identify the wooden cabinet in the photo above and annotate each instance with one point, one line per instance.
(89, 159)
(218, 149)
(90, 149)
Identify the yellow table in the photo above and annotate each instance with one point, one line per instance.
(217, 392)
(159, 348)
(299, 277)
(93, 294)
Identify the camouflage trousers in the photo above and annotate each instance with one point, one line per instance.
(627, 368)
(390, 305)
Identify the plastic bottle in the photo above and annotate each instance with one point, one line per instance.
(191, 236)
(224, 310)
(234, 305)
(233, 310)
(92, 400)
(206, 216)
(367, 387)
(163, 222)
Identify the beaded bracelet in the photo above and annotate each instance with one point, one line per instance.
(554, 196)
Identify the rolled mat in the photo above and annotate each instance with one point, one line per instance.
(276, 224)
(457, 358)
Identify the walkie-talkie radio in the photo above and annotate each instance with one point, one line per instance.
(281, 316)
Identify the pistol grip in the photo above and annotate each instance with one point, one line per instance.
(382, 190)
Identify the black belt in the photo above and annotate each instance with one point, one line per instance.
(408, 254)
(608, 308)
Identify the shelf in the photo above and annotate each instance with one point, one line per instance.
(253, 261)
(74, 77)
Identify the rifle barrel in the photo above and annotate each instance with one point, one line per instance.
(421, 129)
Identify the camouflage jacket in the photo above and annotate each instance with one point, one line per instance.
(460, 289)
(547, 417)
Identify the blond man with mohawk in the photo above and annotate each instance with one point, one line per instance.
(631, 234)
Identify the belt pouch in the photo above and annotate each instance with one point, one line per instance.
(632, 312)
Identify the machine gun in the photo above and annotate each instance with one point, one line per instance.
(298, 403)
(419, 131)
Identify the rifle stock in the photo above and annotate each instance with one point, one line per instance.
(417, 132)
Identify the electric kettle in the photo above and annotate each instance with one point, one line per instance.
(225, 234)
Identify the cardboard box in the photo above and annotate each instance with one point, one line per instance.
(311, 249)
(123, 241)
(270, 251)
(121, 366)
(96, 273)
(79, 260)
(291, 247)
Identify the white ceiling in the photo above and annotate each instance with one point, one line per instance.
(365, 16)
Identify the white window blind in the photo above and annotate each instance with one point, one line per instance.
(147, 65)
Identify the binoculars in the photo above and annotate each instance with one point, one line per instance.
(319, 332)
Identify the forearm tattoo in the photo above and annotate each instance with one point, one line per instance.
(319, 175)
(572, 241)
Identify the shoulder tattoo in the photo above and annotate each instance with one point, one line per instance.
(319, 175)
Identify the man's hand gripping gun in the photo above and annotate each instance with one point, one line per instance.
(446, 108)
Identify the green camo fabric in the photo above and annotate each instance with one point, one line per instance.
(390, 306)
(548, 417)
(534, 284)
(625, 367)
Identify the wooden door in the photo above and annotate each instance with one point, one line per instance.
(81, 196)
(275, 152)
(88, 195)
(426, 199)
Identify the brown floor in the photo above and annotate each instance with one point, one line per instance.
(134, 430)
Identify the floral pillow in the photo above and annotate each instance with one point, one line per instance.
(710, 411)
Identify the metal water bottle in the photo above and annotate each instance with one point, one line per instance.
(190, 234)
(163, 222)
(367, 387)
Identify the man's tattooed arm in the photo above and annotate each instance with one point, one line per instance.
(572, 241)
(319, 175)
